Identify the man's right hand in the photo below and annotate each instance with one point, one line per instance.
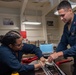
(54, 56)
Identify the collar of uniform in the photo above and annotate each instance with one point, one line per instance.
(74, 20)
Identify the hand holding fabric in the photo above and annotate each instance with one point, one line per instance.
(42, 59)
(40, 63)
(52, 57)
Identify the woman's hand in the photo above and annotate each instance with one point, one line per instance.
(41, 63)
(42, 59)
(37, 66)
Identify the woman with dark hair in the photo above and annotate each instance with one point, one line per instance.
(11, 52)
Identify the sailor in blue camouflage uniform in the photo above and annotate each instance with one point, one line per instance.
(69, 34)
(11, 52)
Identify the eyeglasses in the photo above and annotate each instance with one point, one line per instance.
(19, 44)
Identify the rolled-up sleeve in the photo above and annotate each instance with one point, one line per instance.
(70, 52)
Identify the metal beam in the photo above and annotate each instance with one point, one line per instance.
(23, 6)
(22, 12)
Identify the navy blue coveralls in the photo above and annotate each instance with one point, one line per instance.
(9, 62)
(69, 37)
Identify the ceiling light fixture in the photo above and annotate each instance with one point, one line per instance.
(32, 23)
(36, 22)
(72, 1)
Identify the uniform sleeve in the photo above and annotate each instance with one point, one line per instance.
(32, 49)
(63, 42)
(70, 52)
(11, 61)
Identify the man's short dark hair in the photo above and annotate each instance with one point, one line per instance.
(64, 4)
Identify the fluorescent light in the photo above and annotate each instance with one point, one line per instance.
(72, 5)
(32, 23)
(56, 13)
(72, 2)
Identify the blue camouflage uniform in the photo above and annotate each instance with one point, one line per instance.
(69, 37)
(9, 62)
